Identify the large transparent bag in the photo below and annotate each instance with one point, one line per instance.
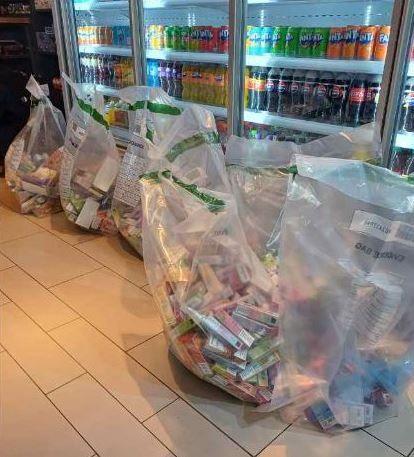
(33, 160)
(151, 114)
(90, 163)
(346, 280)
(218, 305)
(258, 173)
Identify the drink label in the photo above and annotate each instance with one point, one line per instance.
(409, 99)
(307, 88)
(338, 91)
(383, 38)
(357, 95)
(270, 85)
(260, 85)
(372, 94)
(289, 37)
(251, 83)
(294, 87)
(321, 90)
(336, 37)
(283, 87)
(351, 36)
(366, 38)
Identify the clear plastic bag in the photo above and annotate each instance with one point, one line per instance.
(218, 305)
(33, 160)
(90, 163)
(259, 178)
(151, 114)
(346, 269)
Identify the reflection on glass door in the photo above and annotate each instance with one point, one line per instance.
(314, 68)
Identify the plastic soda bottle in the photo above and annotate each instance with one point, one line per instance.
(320, 42)
(381, 42)
(366, 43)
(279, 41)
(168, 37)
(336, 40)
(185, 72)
(292, 41)
(195, 80)
(350, 42)
(246, 87)
(249, 29)
(185, 38)
(266, 40)
(306, 42)
(220, 83)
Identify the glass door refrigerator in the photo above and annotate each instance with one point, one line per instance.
(187, 52)
(100, 39)
(313, 67)
(398, 135)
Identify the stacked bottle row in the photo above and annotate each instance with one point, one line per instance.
(270, 132)
(403, 161)
(117, 35)
(201, 83)
(107, 70)
(407, 107)
(340, 99)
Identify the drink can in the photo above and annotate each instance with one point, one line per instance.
(279, 41)
(350, 42)
(336, 41)
(266, 35)
(306, 42)
(292, 41)
(224, 39)
(366, 42)
(381, 42)
(249, 39)
(320, 42)
(185, 38)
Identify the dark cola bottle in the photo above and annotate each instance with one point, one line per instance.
(283, 89)
(356, 100)
(339, 98)
(296, 93)
(260, 89)
(407, 108)
(272, 83)
(322, 95)
(372, 95)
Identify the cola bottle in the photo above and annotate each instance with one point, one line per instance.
(169, 78)
(311, 79)
(283, 90)
(407, 108)
(177, 80)
(339, 98)
(251, 88)
(356, 101)
(322, 95)
(260, 88)
(162, 74)
(271, 89)
(296, 89)
(371, 98)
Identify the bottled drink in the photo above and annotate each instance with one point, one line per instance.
(250, 88)
(162, 74)
(177, 80)
(296, 91)
(284, 91)
(185, 77)
(292, 41)
(322, 95)
(371, 98)
(356, 100)
(169, 78)
(246, 87)
(306, 42)
(407, 109)
(339, 98)
(196, 77)
(311, 79)
(272, 83)
(220, 83)
(260, 88)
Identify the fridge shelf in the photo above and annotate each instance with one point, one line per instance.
(93, 5)
(107, 50)
(155, 4)
(294, 124)
(405, 140)
(218, 111)
(349, 66)
(162, 54)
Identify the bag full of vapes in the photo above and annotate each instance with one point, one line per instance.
(346, 283)
(90, 163)
(151, 113)
(34, 157)
(218, 304)
(259, 176)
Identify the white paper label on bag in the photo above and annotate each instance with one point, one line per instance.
(88, 213)
(106, 174)
(34, 189)
(384, 229)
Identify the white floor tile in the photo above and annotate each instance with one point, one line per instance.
(188, 434)
(34, 350)
(30, 425)
(297, 442)
(67, 231)
(36, 301)
(103, 422)
(14, 226)
(139, 391)
(120, 310)
(253, 431)
(5, 262)
(398, 431)
(48, 259)
(117, 255)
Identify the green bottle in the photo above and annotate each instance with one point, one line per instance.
(279, 41)
(306, 42)
(292, 41)
(320, 42)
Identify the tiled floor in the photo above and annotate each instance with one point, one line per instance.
(85, 371)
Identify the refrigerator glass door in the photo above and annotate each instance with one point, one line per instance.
(103, 33)
(313, 68)
(187, 43)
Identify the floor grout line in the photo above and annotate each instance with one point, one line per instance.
(156, 437)
(8, 268)
(273, 440)
(20, 238)
(71, 279)
(382, 442)
(51, 402)
(145, 341)
(62, 325)
(66, 383)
